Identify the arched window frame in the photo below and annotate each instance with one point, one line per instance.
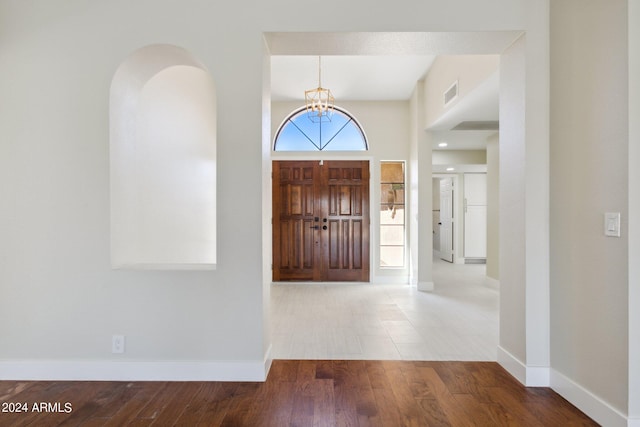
(289, 120)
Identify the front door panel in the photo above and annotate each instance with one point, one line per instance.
(321, 221)
(347, 184)
(295, 251)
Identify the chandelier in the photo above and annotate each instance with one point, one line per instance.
(319, 101)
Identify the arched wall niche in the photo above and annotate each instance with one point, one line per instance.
(163, 162)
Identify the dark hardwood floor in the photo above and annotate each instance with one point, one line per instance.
(301, 393)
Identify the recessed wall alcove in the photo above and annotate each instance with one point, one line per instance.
(163, 161)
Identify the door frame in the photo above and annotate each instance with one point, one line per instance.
(448, 238)
(458, 257)
(318, 157)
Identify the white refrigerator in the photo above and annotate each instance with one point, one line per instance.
(475, 216)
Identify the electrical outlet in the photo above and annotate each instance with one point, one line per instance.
(117, 344)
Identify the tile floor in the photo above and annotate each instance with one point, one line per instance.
(457, 321)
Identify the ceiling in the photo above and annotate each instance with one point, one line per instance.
(350, 77)
(385, 67)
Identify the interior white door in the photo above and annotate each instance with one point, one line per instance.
(446, 219)
(436, 228)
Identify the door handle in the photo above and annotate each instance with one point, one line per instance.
(315, 227)
(324, 227)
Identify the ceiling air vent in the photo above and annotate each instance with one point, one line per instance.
(451, 93)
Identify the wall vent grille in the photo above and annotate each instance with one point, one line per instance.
(451, 93)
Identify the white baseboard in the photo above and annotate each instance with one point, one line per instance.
(538, 376)
(581, 398)
(166, 267)
(514, 366)
(587, 402)
(426, 286)
(115, 370)
(268, 361)
(530, 376)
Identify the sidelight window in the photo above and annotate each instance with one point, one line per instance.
(392, 214)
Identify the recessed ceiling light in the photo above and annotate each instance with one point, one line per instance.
(442, 144)
(450, 169)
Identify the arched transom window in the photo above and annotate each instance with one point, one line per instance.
(298, 133)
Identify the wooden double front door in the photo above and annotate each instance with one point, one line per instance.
(321, 221)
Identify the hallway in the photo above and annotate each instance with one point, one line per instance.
(457, 321)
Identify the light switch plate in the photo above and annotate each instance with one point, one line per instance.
(117, 344)
(612, 224)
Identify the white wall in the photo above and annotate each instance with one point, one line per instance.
(589, 173)
(493, 208)
(422, 230)
(469, 71)
(420, 195)
(413, 180)
(524, 192)
(512, 205)
(386, 125)
(459, 157)
(266, 201)
(57, 60)
(634, 210)
(536, 193)
(176, 161)
(56, 63)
